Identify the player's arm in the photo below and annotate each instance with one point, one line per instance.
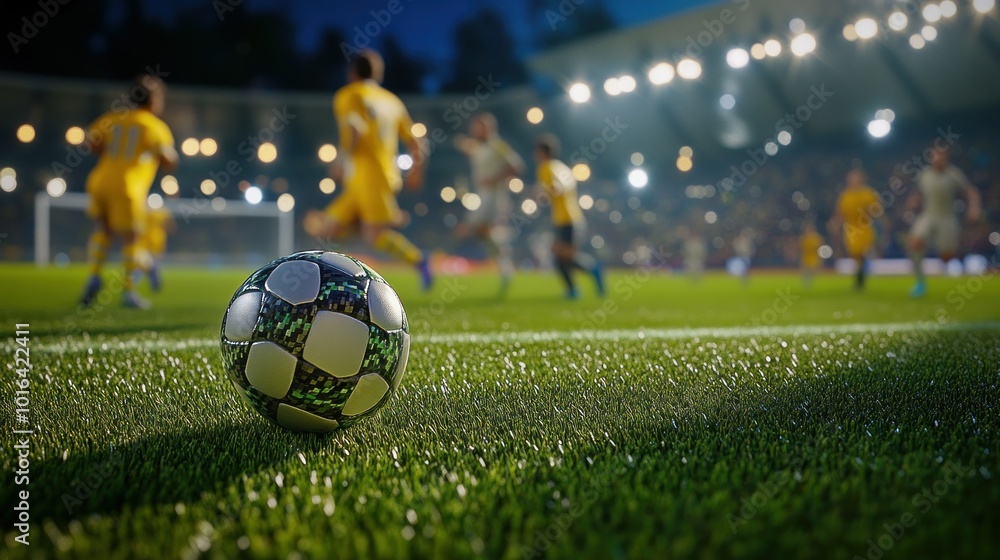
(95, 135)
(416, 147)
(348, 111)
(972, 198)
(165, 150)
(465, 144)
(513, 164)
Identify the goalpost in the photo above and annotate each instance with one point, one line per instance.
(189, 214)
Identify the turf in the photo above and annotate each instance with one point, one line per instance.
(669, 419)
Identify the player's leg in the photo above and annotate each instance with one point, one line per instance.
(378, 216)
(130, 221)
(495, 240)
(564, 253)
(917, 245)
(97, 246)
(946, 236)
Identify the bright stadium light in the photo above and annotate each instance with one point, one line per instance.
(879, 128)
(638, 178)
(515, 185)
(267, 152)
(929, 32)
(56, 187)
(535, 115)
(418, 130)
(689, 69)
(208, 187)
(8, 183)
(711, 217)
(169, 185)
(587, 202)
(612, 87)
(684, 163)
(661, 74)
(886, 115)
(797, 25)
(218, 204)
(286, 202)
(626, 83)
(529, 206)
(190, 147)
(404, 161)
(850, 33)
(637, 158)
(983, 6)
(758, 52)
(770, 148)
(932, 13)
(154, 201)
(685, 151)
(803, 44)
(327, 185)
(581, 172)
(737, 58)
(579, 92)
(784, 138)
(917, 42)
(948, 8)
(898, 21)
(728, 101)
(75, 135)
(471, 201)
(448, 194)
(772, 47)
(208, 147)
(254, 195)
(25, 133)
(866, 28)
(327, 153)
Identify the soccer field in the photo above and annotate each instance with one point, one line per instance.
(669, 419)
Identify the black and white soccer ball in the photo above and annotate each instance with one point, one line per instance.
(315, 341)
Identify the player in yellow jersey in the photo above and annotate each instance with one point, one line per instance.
(559, 186)
(371, 122)
(159, 222)
(858, 208)
(132, 143)
(809, 245)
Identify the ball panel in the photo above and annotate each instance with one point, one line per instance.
(404, 356)
(296, 282)
(336, 344)
(384, 306)
(382, 351)
(343, 295)
(242, 316)
(284, 324)
(345, 264)
(315, 391)
(270, 369)
(234, 358)
(367, 393)
(301, 421)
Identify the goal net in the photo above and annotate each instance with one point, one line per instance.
(204, 232)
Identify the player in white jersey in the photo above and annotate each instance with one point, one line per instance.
(938, 186)
(494, 163)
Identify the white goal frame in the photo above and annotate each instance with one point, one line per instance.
(181, 207)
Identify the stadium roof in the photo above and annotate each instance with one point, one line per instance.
(956, 68)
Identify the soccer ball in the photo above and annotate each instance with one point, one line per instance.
(315, 341)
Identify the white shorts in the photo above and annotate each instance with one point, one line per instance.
(941, 231)
(494, 208)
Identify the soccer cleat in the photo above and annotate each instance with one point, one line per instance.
(154, 278)
(504, 285)
(571, 294)
(426, 277)
(132, 300)
(598, 273)
(90, 291)
(919, 289)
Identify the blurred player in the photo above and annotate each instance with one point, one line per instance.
(695, 251)
(493, 164)
(153, 243)
(132, 143)
(744, 248)
(371, 122)
(557, 181)
(858, 207)
(938, 186)
(809, 245)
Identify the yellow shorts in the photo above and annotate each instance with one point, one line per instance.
(155, 242)
(367, 206)
(811, 261)
(120, 211)
(858, 241)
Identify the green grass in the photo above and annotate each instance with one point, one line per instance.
(674, 419)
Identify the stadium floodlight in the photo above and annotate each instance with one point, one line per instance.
(638, 178)
(612, 87)
(898, 21)
(879, 128)
(689, 69)
(917, 42)
(866, 28)
(850, 33)
(448, 194)
(737, 58)
(8, 183)
(267, 152)
(757, 51)
(772, 47)
(948, 8)
(587, 202)
(770, 148)
(75, 135)
(327, 185)
(418, 129)
(254, 195)
(529, 206)
(56, 187)
(784, 138)
(25, 133)
(931, 13)
(626, 83)
(515, 185)
(579, 92)
(886, 115)
(684, 163)
(581, 171)
(661, 74)
(286, 202)
(169, 185)
(797, 25)
(728, 101)
(190, 147)
(327, 153)
(803, 44)
(471, 201)
(404, 161)
(535, 115)
(154, 201)
(983, 6)
(208, 187)
(929, 32)
(208, 147)
(637, 158)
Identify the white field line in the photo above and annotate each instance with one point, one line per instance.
(157, 344)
